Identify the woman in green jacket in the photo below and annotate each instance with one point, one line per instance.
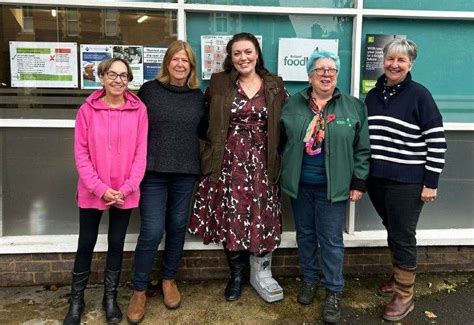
(325, 162)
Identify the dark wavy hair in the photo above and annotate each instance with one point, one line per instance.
(259, 67)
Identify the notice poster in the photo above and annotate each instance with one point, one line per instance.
(213, 53)
(373, 62)
(43, 64)
(293, 54)
(134, 56)
(152, 60)
(91, 56)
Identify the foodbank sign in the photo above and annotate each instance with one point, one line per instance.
(293, 54)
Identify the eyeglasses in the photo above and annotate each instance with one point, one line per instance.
(113, 75)
(331, 72)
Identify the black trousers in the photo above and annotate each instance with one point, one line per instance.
(89, 220)
(399, 205)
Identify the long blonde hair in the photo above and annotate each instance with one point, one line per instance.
(173, 48)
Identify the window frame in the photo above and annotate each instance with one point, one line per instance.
(31, 244)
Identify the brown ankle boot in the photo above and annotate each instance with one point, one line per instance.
(386, 287)
(171, 295)
(402, 300)
(136, 307)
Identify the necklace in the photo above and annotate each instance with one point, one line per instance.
(250, 86)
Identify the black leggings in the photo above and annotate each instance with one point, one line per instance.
(89, 220)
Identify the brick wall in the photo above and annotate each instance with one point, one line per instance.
(50, 268)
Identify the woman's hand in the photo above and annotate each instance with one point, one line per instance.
(428, 194)
(355, 195)
(112, 196)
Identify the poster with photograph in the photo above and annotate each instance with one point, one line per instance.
(293, 54)
(91, 56)
(373, 61)
(213, 53)
(152, 60)
(134, 56)
(43, 64)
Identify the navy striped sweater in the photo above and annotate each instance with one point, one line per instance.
(406, 134)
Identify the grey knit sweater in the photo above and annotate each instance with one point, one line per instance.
(174, 116)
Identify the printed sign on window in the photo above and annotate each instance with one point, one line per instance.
(43, 64)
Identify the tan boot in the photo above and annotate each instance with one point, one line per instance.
(136, 307)
(386, 287)
(171, 295)
(402, 300)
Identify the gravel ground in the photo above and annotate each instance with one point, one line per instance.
(450, 297)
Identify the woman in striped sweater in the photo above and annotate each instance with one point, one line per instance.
(407, 156)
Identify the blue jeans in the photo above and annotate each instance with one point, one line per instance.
(399, 206)
(319, 226)
(164, 206)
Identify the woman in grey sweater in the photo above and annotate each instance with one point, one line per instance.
(175, 110)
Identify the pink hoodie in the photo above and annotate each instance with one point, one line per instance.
(110, 150)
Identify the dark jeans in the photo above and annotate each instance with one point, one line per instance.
(89, 220)
(399, 205)
(319, 225)
(164, 206)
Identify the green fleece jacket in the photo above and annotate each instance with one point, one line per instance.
(347, 147)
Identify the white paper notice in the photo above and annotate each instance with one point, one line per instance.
(293, 53)
(91, 56)
(152, 60)
(134, 56)
(213, 53)
(43, 64)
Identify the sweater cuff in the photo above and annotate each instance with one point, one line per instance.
(431, 179)
(358, 184)
(100, 190)
(126, 189)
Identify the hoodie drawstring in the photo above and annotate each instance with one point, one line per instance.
(119, 136)
(108, 130)
(118, 131)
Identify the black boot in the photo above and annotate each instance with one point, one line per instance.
(332, 307)
(113, 314)
(237, 263)
(76, 300)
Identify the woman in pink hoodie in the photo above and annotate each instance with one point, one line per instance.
(110, 144)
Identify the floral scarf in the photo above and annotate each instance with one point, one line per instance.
(316, 129)
(315, 132)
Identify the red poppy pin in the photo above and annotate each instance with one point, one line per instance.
(330, 118)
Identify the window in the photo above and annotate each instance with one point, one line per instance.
(28, 22)
(273, 27)
(72, 22)
(111, 23)
(76, 25)
(282, 3)
(37, 174)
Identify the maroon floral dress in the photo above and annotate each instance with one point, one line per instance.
(241, 208)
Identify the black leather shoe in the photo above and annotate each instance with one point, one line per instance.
(307, 293)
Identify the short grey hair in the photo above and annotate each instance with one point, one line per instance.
(403, 46)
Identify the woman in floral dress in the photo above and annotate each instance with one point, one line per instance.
(238, 200)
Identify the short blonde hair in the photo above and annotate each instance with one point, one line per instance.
(173, 48)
